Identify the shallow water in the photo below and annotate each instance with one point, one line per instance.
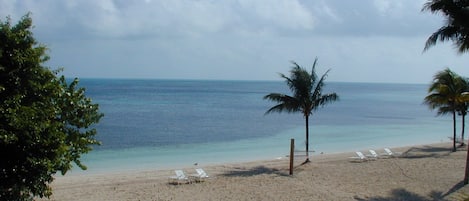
(158, 124)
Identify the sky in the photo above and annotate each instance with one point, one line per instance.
(359, 41)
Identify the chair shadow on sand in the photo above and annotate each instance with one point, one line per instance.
(258, 170)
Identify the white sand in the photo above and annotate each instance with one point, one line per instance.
(428, 172)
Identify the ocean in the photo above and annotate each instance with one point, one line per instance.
(164, 124)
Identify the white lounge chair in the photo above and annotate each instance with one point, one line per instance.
(179, 178)
(391, 153)
(373, 154)
(360, 157)
(201, 175)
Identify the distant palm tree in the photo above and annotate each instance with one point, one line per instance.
(456, 28)
(463, 106)
(462, 110)
(307, 95)
(446, 94)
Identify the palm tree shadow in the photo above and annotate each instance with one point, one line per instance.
(427, 152)
(258, 170)
(455, 188)
(403, 194)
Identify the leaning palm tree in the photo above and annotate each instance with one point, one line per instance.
(307, 95)
(456, 28)
(446, 94)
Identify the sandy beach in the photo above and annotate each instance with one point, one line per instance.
(424, 172)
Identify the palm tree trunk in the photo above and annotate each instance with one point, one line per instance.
(454, 130)
(463, 128)
(466, 174)
(307, 138)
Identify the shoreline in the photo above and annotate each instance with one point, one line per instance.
(426, 168)
(151, 166)
(150, 158)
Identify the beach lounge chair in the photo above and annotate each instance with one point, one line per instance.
(391, 153)
(201, 175)
(373, 154)
(179, 178)
(360, 157)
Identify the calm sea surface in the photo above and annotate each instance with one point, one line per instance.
(157, 124)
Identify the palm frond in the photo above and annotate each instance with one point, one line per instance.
(319, 85)
(456, 29)
(444, 6)
(327, 98)
(445, 110)
(435, 100)
(443, 34)
(299, 81)
(314, 75)
(286, 103)
(288, 81)
(463, 42)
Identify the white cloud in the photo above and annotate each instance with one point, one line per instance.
(114, 18)
(326, 12)
(287, 14)
(372, 18)
(366, 40)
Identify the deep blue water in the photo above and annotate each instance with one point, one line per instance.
(159, 116)
(169, 113)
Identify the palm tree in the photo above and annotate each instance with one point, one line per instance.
(446, 95)
(307, 95)
(462, 110)
(463, 107)
(465, 96)
(456, 28)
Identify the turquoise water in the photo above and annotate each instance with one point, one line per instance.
(164, 124)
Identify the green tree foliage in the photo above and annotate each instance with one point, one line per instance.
(307, 95)
(45, 122)
(456, 28)
(447, 95)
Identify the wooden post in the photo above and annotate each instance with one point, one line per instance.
(292, 154)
